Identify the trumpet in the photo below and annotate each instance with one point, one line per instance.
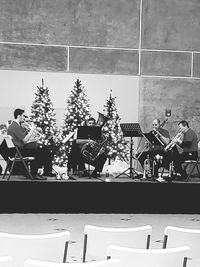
(178, 138)
(36, 135)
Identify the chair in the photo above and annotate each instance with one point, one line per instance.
(103, 263)
(17, 158)
(176, 236)
(6, 261)
(129, 257)
(96, 239)
(193, 164)
(51, 247)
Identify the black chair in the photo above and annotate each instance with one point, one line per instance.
(192, 164)
(14, 158)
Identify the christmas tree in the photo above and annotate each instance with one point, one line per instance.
(77, 112)
(44, 117)
(117, 145)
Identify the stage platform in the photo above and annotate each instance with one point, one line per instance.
(102, 195)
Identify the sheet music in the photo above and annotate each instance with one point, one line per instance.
(3, 132)
(9, 141)
(69, 136)
(2, 136)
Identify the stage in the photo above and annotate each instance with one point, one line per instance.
(102, 195)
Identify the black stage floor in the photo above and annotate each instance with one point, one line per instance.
(84, 195)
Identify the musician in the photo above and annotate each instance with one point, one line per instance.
(3, 146)
(21, 140)
(154, 150)
(77, 160)
(188, 141)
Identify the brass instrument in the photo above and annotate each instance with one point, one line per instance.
(147, 173)
(158, 135)
(102, 119)
(174, 142)
(36, 135)
(92, 150)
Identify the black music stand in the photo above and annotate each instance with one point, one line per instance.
(89, 132)
(130, 130)
(152, 139)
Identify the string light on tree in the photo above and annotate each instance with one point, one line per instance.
(44, 117)
(117, 145)
(76, 112)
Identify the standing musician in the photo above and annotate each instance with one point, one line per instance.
(153, 151)
(77, 160)
(187, 140)
(21, 139)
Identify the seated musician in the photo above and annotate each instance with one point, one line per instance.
(187, 140)
(21, 139)
(163, 135)
(3, 146)
(77, 160)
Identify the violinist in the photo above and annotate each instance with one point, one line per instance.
(188, 141)
(163, 135)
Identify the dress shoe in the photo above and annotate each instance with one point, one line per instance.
(49, 174)
(95, 174)
(84, 173)
(39, 177)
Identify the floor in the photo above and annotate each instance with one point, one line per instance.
(50, 223)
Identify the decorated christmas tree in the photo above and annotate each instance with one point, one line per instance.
(117, 145)
(44, 117)
(76, 112)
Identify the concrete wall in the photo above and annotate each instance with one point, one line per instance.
(157, 40)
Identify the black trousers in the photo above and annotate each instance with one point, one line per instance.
(76, 160)
(42, 155)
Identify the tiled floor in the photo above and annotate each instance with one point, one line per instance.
(50, 223)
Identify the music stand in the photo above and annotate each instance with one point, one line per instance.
(130, 130)
(89, 132)
(152, 139)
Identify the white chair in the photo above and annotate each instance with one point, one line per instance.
(109, 263)
(129, 257)
(177, 236)
(96, 239)
(52, 247)
(6, 261)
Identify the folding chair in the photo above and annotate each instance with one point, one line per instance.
(51, 247)
(193, 164)
(97, 238)
(103, 263)
(17, 158)
(129, 257)
(6, 261)
(177, 236)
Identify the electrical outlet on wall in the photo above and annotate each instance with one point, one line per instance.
(168, 113)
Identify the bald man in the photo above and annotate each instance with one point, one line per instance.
(156, 152)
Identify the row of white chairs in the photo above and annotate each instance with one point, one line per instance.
(120, 257)
(124, 246)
